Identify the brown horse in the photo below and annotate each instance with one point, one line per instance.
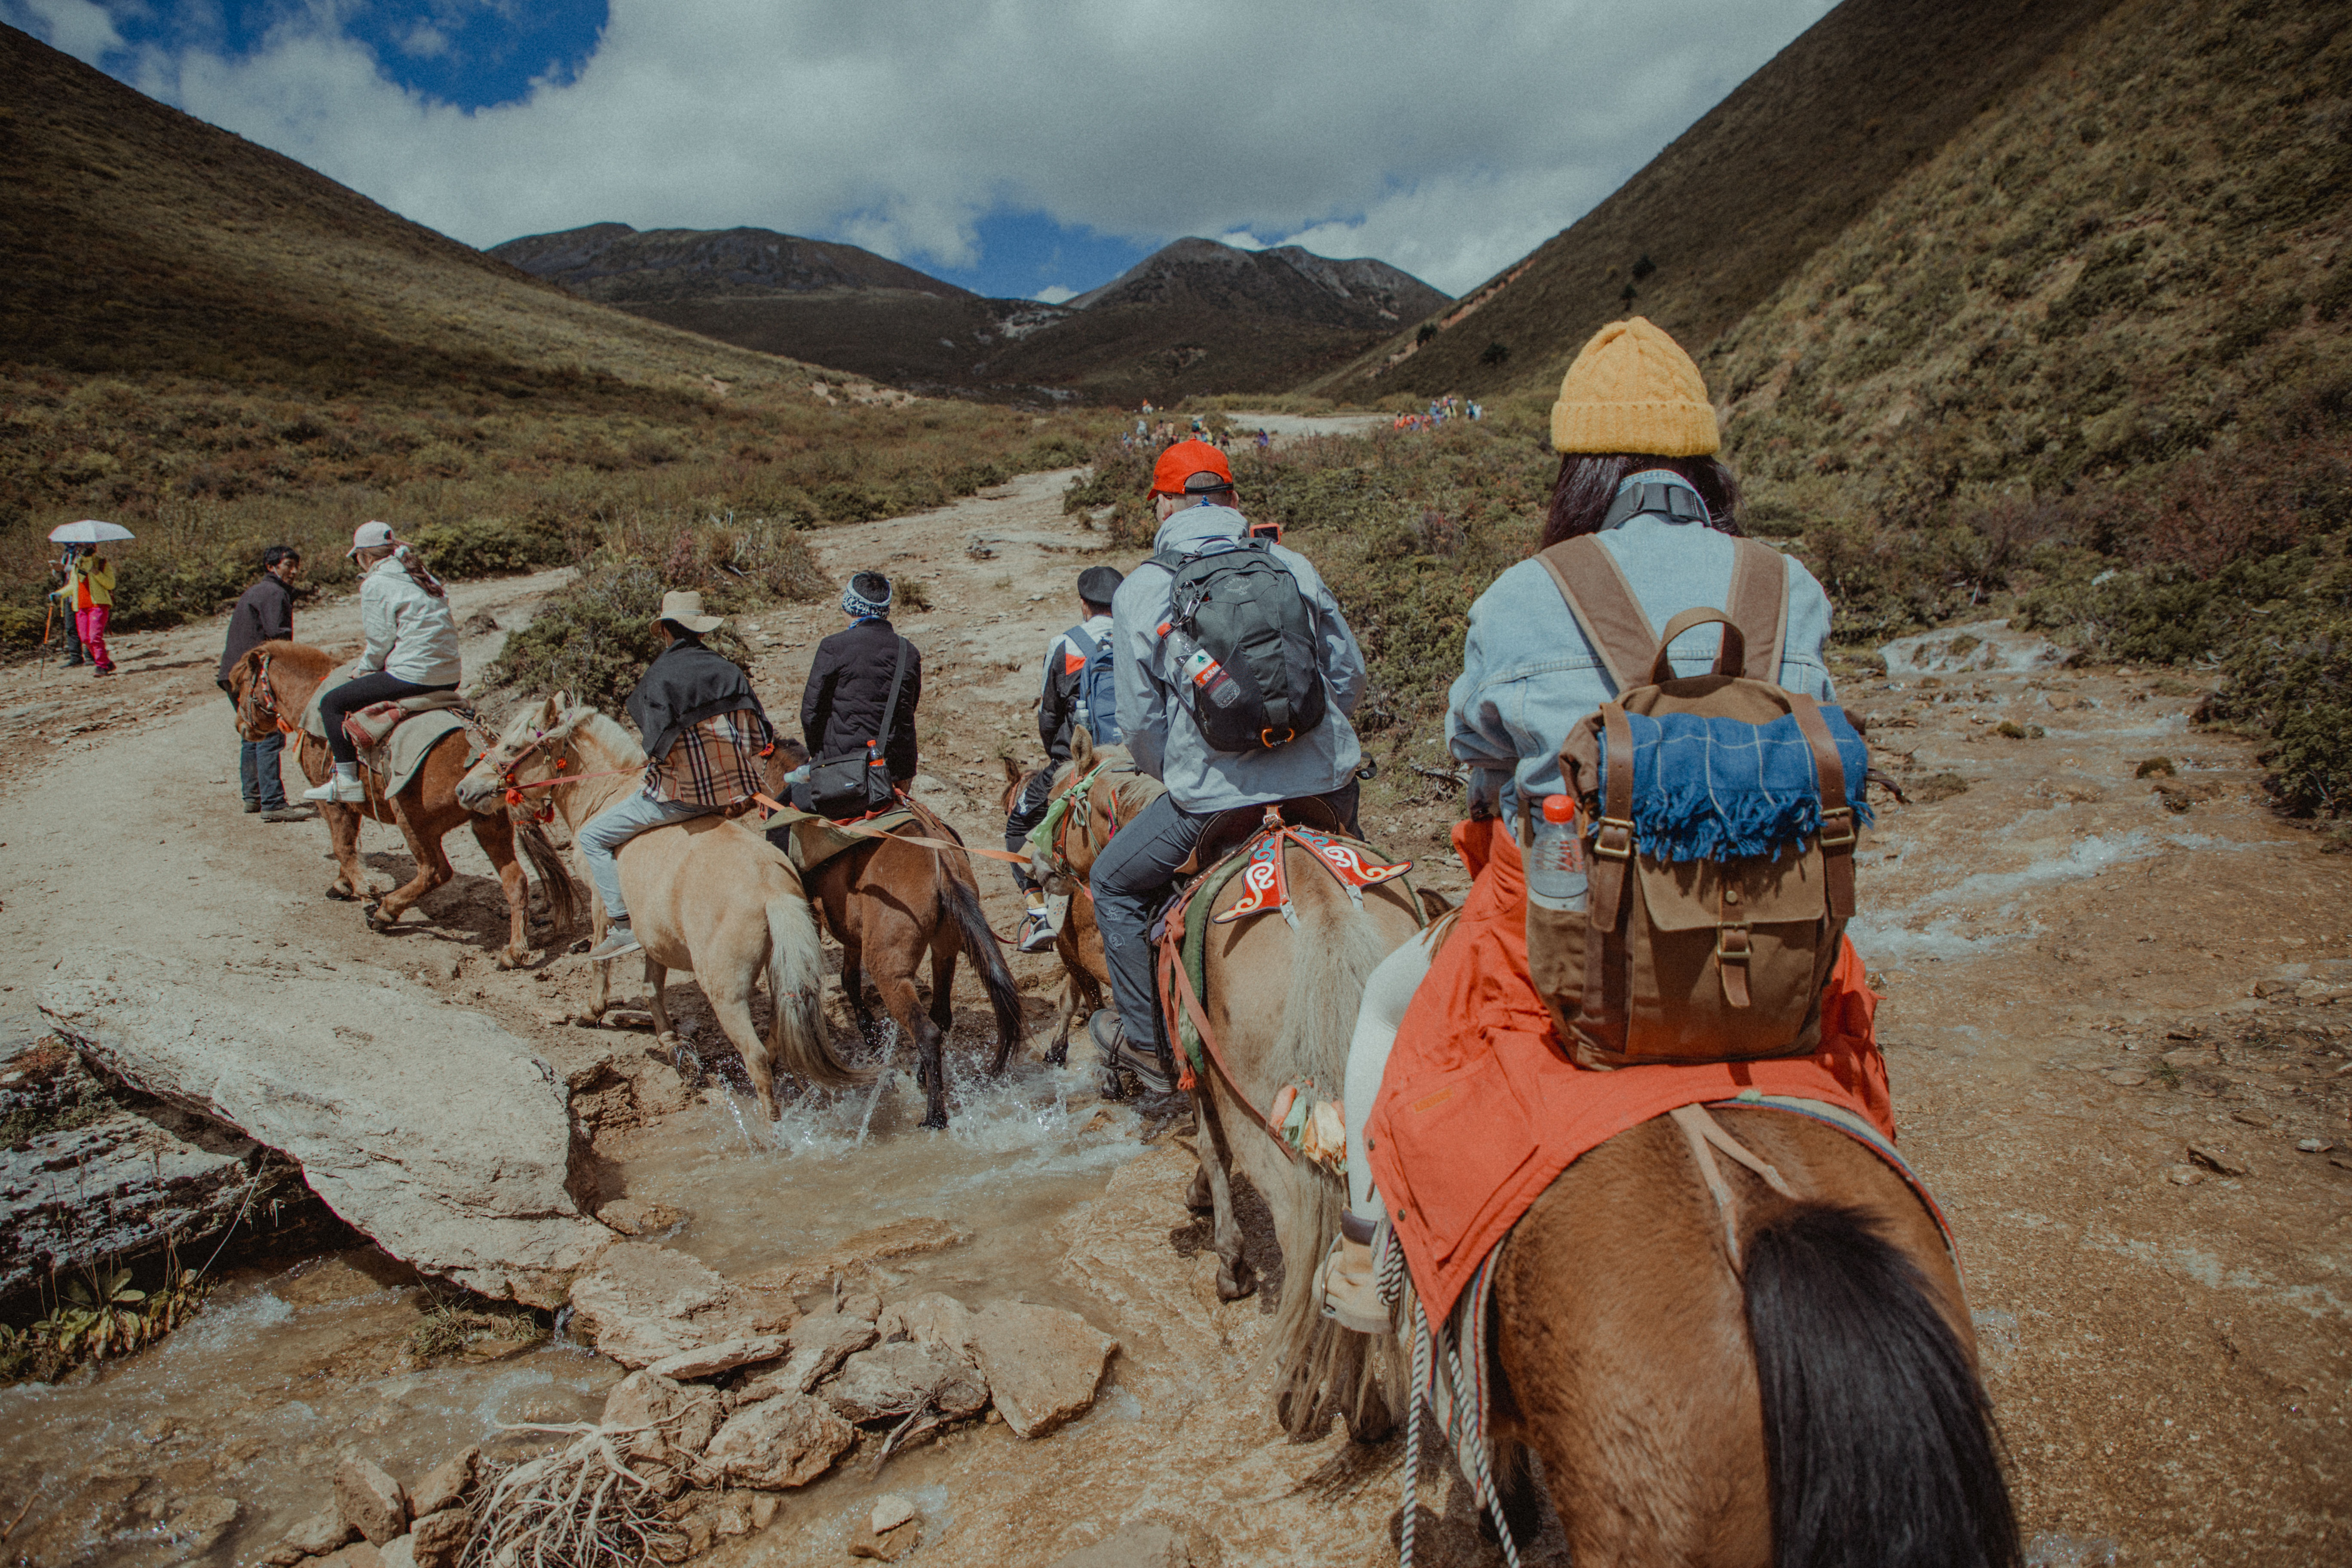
(272, 684)
(1085, 971)
(890, 903)
(1812, 1400)
(707, 895)
(1318, 972)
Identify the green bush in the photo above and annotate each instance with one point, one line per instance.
(490, 546)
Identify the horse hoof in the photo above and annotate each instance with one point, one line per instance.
(1059, 1057)
(341, 895)
(1234, 1284)
(937, 1121)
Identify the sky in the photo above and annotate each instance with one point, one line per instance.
(1018, 148)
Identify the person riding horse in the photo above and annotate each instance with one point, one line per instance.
(1071, 697)
(851, 680)
(412, 648)
(1637, 439)
(1193, 492)
(704, 732)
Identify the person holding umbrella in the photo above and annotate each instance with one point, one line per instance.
(90, 579)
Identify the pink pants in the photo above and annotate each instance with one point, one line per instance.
(90, 627)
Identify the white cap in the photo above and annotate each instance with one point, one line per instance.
(370, 536)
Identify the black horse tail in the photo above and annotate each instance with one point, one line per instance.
(961, 896)
(554, 876)
(1880, 1441)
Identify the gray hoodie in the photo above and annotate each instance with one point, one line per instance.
(1160, 730)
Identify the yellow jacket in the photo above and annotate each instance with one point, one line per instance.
(93, 582)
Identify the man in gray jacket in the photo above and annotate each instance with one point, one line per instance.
(1133, 875)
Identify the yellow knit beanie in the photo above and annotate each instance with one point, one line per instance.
(1632, 389)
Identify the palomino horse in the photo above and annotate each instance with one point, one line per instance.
(1317, 971)
(1812, 1400)
(272, 684)
(706, 895)
(889, 903)
(1085, 971)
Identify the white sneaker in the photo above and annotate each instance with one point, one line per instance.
(619, 942)
(346, 791)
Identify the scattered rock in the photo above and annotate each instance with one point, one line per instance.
(725, 1356)
(470, 1186)
(856, 1256)
(198, 1524)
(645, 1303)
(2273, 987)
(438, 1538)
(314, 1537)
(2183, 1176)
(2188, 1057)
(370, 1501)
(400, 1554)
(820, 1343)
(2154, 767)
(2250, 1118)
(885, 1545)
(890, 1512)
(638, 1217)
(1042, 1364)
(894, 1380)
(358, 1554)
(667, 1422)
(2124, 1078)
(2321, 992)
(2314, 1145)
(930, 1319)
(786, 1441)
(1154, 1541)
(763, 1509)
(2213, 1157)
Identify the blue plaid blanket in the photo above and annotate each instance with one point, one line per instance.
(1719, 789)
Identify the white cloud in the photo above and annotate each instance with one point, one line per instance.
(1445, 136)
(425, 42)
(1054, 293)
(76, 26)
(1241, 239)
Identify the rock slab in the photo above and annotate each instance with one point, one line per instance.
(371, 1501)
(1042, 1364)
(893, 1381)
(445, 1485)
(645, 1303)
(425, 1126)
(667, 1422)
(787, 1441)
(438, 1540)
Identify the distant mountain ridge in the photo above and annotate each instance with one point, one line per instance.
(1195, 316)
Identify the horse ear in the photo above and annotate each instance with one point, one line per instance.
(1082, 746)
(1011, 773)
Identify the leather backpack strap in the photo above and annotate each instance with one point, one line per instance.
(1613, 858)
(1603, 601)
(890, 708)
(1729, 660)
(1837, 834)
(1760, 605)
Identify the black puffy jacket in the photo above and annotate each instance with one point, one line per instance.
(847, 685)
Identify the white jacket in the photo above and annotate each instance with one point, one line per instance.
(410, 634)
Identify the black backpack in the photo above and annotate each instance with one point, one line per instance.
(1261, 682)
(1094, 706)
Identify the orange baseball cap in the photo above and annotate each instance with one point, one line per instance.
(1184, 460)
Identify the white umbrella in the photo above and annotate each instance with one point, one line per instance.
(89, 530)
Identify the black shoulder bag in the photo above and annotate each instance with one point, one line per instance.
(857, 783)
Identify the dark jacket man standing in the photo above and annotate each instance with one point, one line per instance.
(849, 683)
(264, 614)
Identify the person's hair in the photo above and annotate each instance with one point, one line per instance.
(410, 563)
(1091, 607)
(1587, 486)
(277, 552)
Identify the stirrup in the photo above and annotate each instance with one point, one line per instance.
(339, 789)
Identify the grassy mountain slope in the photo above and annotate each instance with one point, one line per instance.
(1713, 225)
(224, 349)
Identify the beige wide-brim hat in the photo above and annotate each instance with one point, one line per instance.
(684, 608)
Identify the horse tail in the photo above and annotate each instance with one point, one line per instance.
(795, 984)
(562, 893)
(961, 894)
(1324, 1367)
(1879, 1440)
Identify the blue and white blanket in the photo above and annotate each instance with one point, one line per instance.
(1719, 789)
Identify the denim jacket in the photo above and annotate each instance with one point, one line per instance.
(1160, 730)
(1528, 675)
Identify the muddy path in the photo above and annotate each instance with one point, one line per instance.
(2087, 974)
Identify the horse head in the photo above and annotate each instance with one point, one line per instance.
(256, 718)
(529, 750)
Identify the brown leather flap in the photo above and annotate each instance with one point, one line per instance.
(431, 702)
(1689, 895)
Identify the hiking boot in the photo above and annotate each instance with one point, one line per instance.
(619, 943)
(1122, 1055)
(1036, 935)
(289, 814)
(1346, 1291)
(251, 806)
(342, 788)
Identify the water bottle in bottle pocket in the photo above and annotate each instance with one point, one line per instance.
(1556, 870)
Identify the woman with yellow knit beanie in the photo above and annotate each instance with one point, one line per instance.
(1637, 440)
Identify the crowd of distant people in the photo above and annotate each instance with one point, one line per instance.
(1150, 437)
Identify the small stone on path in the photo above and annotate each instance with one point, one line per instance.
(371, 1501)
(439, 1539)
(2216, 1158)
(446, 1484)
(2126, 1077)
(2183, 1176)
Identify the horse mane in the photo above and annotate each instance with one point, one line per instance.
(606, 734)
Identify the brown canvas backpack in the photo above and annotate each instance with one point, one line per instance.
(1693, 961)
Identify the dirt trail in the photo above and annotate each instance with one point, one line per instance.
(2069, 962)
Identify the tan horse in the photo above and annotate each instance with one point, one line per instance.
(709, 895)
(1318, 973)
(1086, 973)
(890, 903)
(274, 682)
(1815, 1402)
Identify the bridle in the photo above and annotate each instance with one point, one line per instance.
(261, 697)
(1076, 801)
(543, 811)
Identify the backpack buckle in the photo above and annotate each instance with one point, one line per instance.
(1615, 839)
(1732, 944)
(1265, 738)
(1843, 817)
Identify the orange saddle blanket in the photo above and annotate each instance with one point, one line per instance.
(1479, 1108)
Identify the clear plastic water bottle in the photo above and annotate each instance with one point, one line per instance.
(1556, 877)
(1195, 664)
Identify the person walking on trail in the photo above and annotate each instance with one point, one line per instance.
(1080, 689)
(1158, 669)
(704, 733)
(61, 602)
(849, 683)
(92, 579)
(1637, 439)
(411, 648)
(265, 613)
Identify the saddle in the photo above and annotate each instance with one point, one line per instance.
(1229, 831)
(368, 727)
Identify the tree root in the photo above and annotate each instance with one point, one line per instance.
(582, 1507)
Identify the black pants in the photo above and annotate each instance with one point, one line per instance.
(1130, 881)
(1028, 811)
(354, 695)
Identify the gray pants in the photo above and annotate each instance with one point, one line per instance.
(602, 835)
(1388, 991)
